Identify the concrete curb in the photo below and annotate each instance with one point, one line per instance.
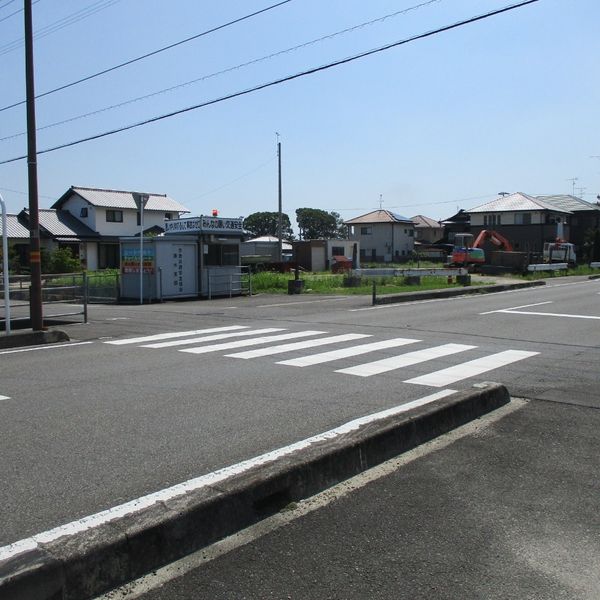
(452, 292)
(86, 564)
(32, 338)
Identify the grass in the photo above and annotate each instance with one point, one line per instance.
(277, 283)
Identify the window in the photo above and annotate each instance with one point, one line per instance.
(523, 219)
(337, 251)
(114, 216)
(366, 230)
(138, 218)
(83, 212)
(411, 233)
(168, 216)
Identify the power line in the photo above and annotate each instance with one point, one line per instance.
(282, 79)
(222, 72)
(6, 4)
(12, 14)
(147, 55)
(79, 15)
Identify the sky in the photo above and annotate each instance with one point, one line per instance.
(509, 103)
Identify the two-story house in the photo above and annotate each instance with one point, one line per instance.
(384, 236)
(113, 214)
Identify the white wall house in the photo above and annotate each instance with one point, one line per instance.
(113, 214)
(383, 235)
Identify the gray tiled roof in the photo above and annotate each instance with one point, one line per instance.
(515, 202)
(422, 221)
(379, 216)
(566, 202)
(121, 199)
(62, 224)
(15, 229)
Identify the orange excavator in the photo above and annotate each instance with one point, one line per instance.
(468, 252)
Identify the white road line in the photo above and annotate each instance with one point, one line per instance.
(404, 360)
(336, 299)
(4, 397)
(212, 338)
(177, 334)
(251, 342)
(544, 314)
(323, 357)
(471, 368)
(180, 489)
(347, 337)
(47, 347)
(489, 312)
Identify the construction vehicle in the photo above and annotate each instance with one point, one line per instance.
(468, 251)
(559, 251)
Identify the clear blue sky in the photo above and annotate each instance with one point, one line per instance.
(508, 104)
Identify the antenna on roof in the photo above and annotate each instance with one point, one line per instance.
(503, 194)
(573, 180)
(380, 201)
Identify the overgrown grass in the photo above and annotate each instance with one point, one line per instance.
(277, 283)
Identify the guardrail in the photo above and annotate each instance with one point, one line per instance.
(413, 272)
(548, 267)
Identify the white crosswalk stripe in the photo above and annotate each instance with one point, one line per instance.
(323, 357)
(298, 346)
(213, 338)
(176, 334)
(404, 360)
(471, 368)
(251, 342)
(4, 398)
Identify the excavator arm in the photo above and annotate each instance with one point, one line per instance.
(493, 236)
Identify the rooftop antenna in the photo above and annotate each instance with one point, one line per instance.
(380, 201)
(573, 180)
(581, 191)
(503, 194)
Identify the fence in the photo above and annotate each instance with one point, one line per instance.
(228, 282)
(63, 295)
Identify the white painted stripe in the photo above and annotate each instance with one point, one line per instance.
(213, 338)
(489, 312)
(336, 299)
(298, 345)
(251, 342)
(323, 357)
(471, 368)
(4, 397)
(139, 504)
(176, 334)
(46, 347)
(543, 314)
(404, 360)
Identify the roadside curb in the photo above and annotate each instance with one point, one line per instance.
(453, 292)
(32, 338)
(90, 562)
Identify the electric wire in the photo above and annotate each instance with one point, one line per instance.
(224, 71)
(16, 11)
(148, 54)
(6, 4)
(75, 17)
(281, 80)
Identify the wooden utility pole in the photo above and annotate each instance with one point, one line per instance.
(35, 265)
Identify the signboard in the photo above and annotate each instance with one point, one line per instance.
(204, 224)
(130, 259)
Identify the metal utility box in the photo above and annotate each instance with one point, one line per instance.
(169, 267)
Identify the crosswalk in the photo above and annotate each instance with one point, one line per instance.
(265, 342)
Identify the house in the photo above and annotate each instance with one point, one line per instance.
(318, 255)
(384, 236)
(18, 238)
(427, 230)
(112, 214)
(526, 221)
(458, 223)
(264, 249)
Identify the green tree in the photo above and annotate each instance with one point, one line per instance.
(60, 260)
(591, 244)
(315, 224)
(265, 223)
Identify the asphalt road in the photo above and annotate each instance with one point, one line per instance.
(92, 424)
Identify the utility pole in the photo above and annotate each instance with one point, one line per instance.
(280, 208)
(35, 264)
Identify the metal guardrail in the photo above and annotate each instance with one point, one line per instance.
(413, 272)
(548, 267)
(229, 284)
(63, 294)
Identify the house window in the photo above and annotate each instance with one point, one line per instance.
(138, 218)
(337, 251)
(83, 212)
(523, 219)
(411, 233)
(168, 216)
(114, 216)
(366, 230)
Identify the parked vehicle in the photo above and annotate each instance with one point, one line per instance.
(559, 251)
(468, 251)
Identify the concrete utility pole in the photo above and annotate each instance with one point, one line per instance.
(5, 268)
(141, 200)
(35, 264)
(280, 208)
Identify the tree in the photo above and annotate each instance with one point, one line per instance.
(315, 224)
(265, 223)
(591, 244)
(60, 260)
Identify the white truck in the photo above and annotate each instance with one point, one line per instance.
(562, 252)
